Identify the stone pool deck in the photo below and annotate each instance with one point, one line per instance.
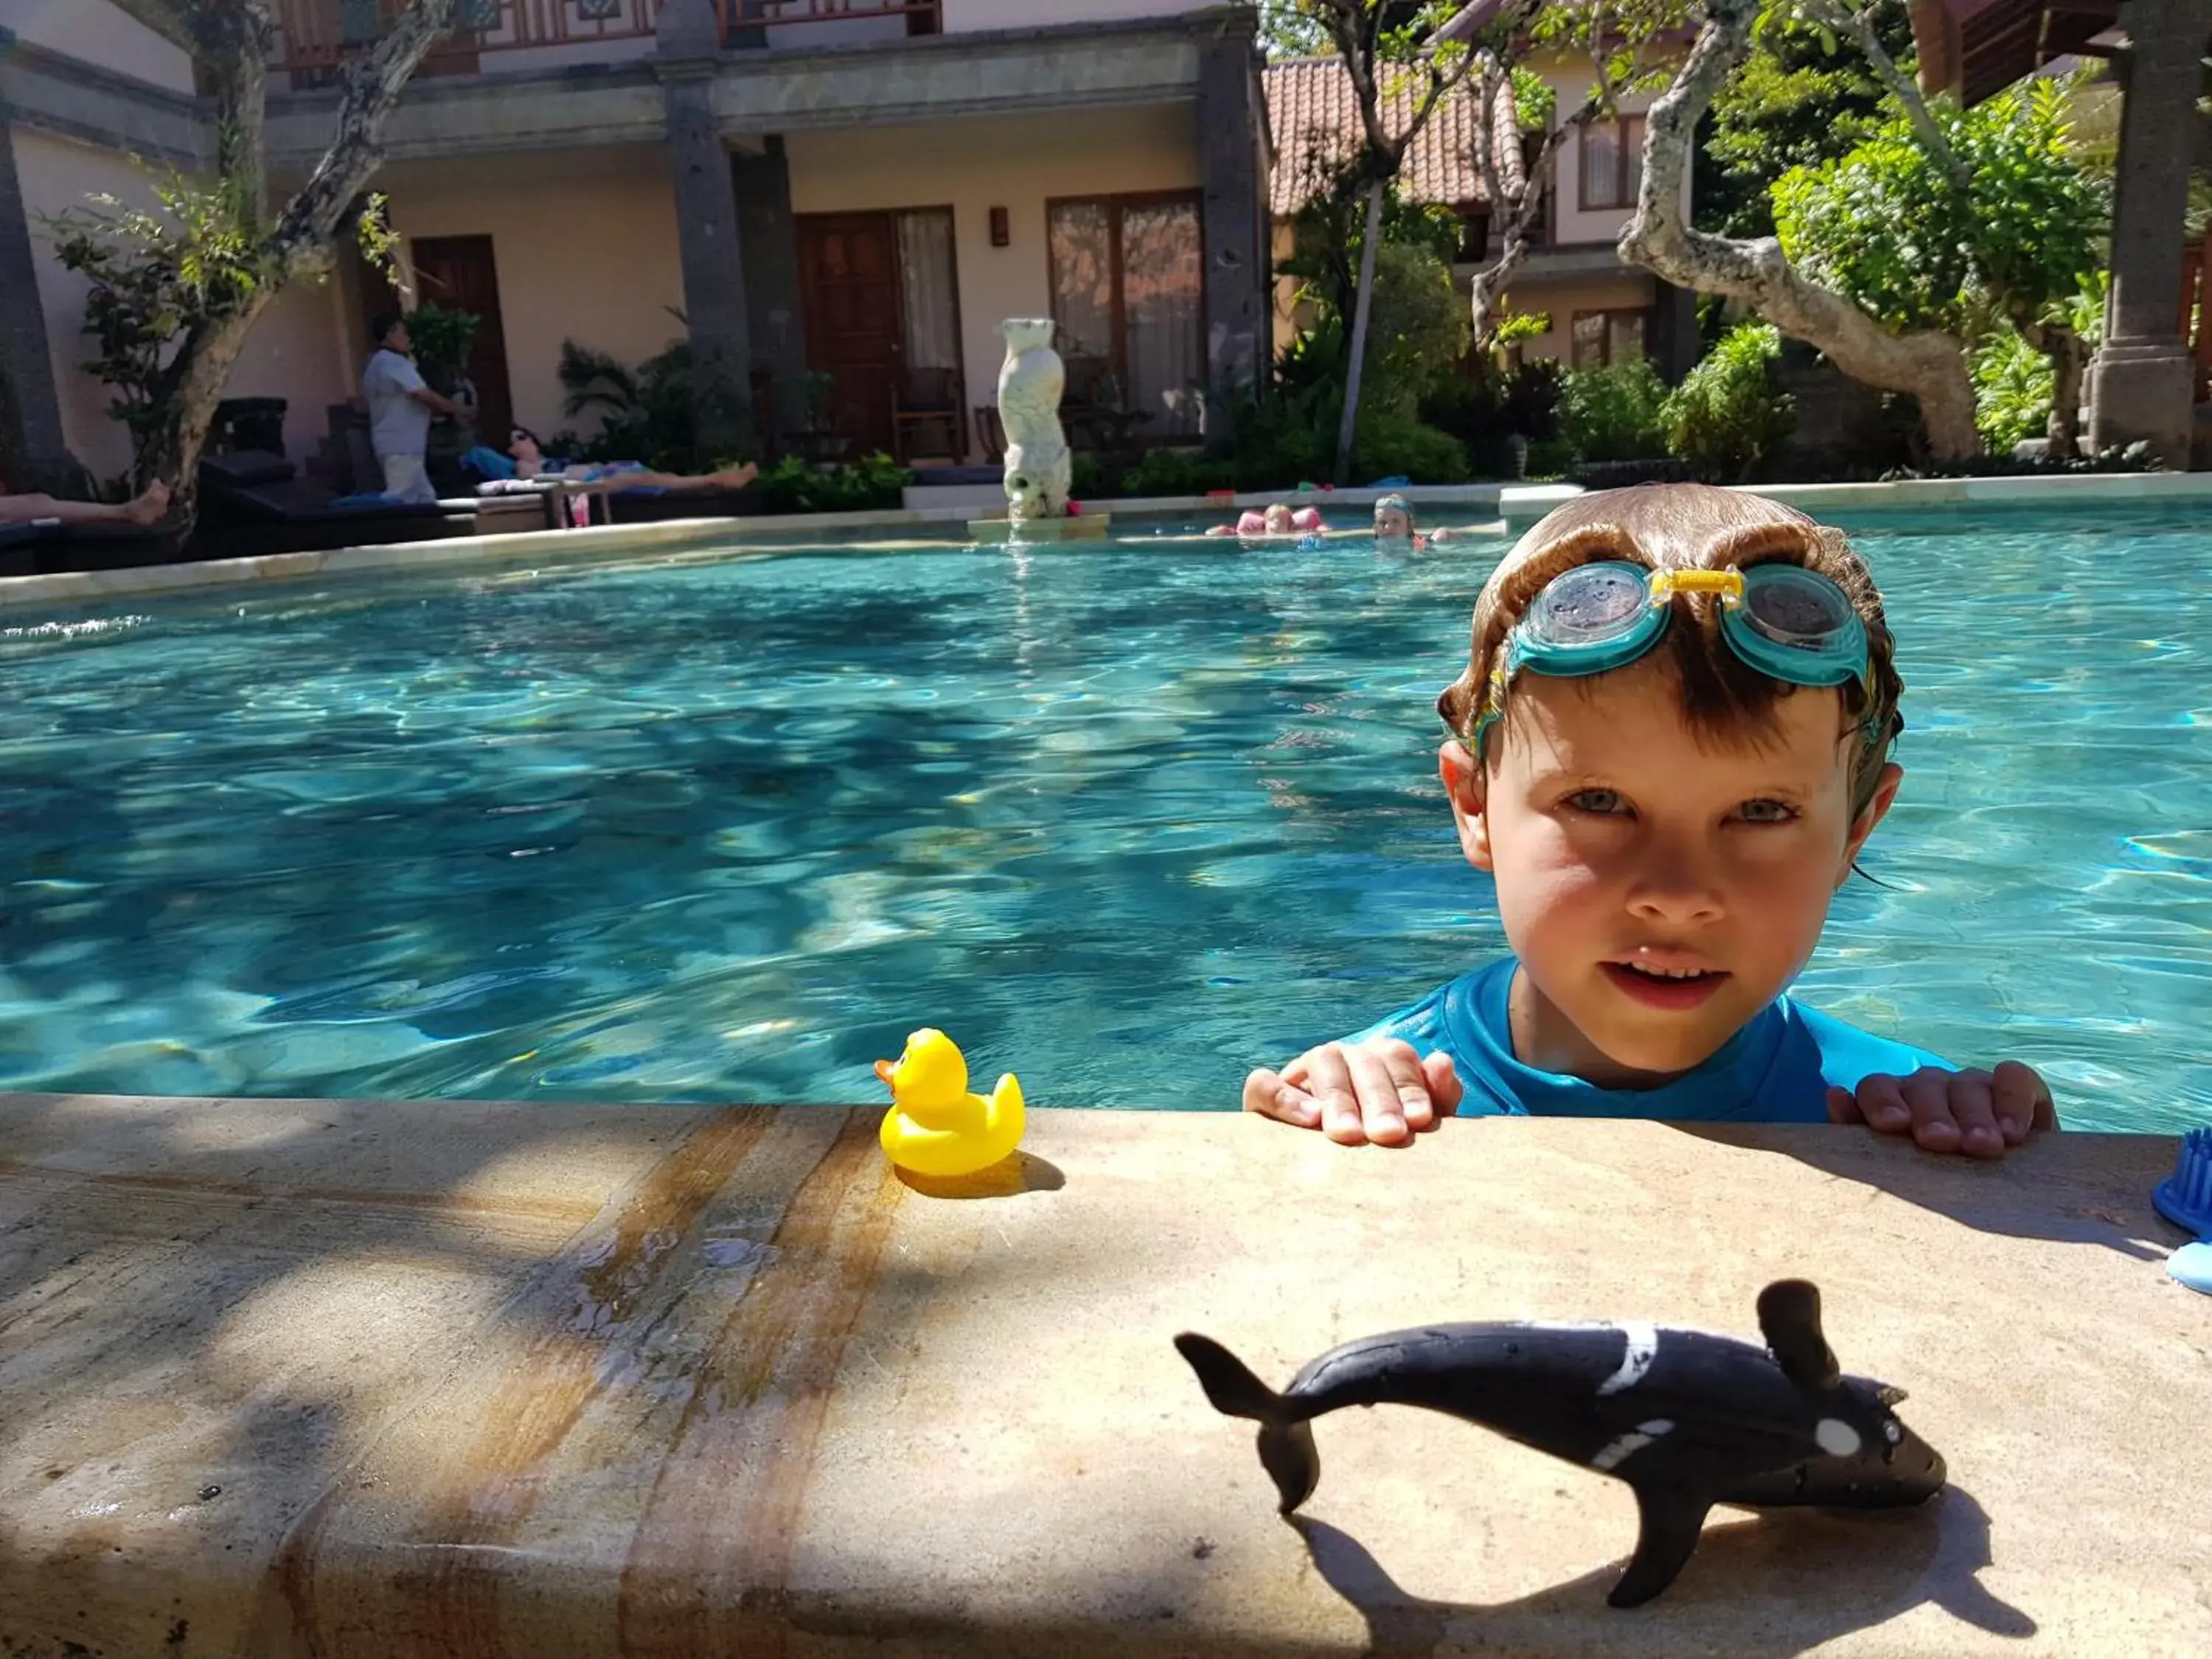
(394, 1379)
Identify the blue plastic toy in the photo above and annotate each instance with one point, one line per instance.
(2184, 1198)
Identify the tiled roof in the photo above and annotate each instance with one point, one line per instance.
(1315, 119)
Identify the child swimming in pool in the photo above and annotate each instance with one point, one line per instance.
(1277, 520)
(1394, 524)
(1671, 739)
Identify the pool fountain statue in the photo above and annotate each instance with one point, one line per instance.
(1031, 383)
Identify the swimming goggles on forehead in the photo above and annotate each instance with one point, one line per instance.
(1787, 622)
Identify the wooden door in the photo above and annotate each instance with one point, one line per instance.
(457, 272)
(848, 280)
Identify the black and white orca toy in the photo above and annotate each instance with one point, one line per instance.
(1687, 1419)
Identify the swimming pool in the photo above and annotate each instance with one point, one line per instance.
(1127, 819)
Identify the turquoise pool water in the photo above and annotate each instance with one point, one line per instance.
(1128, 820)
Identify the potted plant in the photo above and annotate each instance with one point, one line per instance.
(444, 340)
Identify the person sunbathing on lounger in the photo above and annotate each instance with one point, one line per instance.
(144, 509)
(530, 462)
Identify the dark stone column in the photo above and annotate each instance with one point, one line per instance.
(773, 307)
(1234, 215)
(1672, 345)
(2140, 384)
(31, 445)
(707, 225)
(688, 28)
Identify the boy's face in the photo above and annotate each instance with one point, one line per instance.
(1626, 853)
(1391, 524)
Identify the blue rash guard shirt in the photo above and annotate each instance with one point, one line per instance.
(1777, 1069)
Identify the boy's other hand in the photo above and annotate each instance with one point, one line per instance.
(1379, 1091)
(1981, 1113)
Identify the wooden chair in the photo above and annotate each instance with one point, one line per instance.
(929, 415)
(991, 434)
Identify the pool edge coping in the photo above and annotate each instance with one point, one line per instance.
(312, 1215)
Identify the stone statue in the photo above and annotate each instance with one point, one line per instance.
(1030, 382)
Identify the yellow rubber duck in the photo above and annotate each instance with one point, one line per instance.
(935, 1126)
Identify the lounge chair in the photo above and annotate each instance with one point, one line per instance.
(253, 503)
(48, 547)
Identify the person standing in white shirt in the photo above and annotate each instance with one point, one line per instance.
(400, 405)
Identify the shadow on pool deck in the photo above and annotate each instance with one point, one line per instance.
(2024, 1194)
(1789, 1581)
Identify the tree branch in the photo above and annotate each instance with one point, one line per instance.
(374, 84)
(1927, 362)
(1859, 25)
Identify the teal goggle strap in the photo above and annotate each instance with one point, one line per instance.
(1791, 624)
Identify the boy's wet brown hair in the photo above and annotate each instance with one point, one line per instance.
(1692, 527)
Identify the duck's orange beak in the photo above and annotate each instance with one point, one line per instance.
(885, 1069)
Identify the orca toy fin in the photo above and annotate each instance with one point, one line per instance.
(1671, 1521)
(1286, 1443)
(1789, 1318)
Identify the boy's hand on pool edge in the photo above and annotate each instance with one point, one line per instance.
(1981, 1113)
(1380, 1093)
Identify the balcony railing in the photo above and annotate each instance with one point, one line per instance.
(318, 35)
(740, 18)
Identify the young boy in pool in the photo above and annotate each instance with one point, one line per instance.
(1670, 743)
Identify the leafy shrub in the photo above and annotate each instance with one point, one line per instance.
(1612, 413)
(1284, 433)
(1531, 405)
(1417, 330)
(1916, 247)
(1727, 416)
(1550, 457)
(2013, 386)
(443, 339)
(1487, 410)
(1391, 445)
(1178, 472)
(873, 483)
(649, 414)
(1090, 479)
(193, 259)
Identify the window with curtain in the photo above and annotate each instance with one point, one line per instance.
(1612, 162)
(1128, 292)
(1602, 337)
(929, 287)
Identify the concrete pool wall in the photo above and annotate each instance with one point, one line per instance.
(1512, 506)
(403, 1378)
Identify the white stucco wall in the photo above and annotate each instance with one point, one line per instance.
(1570, 224)
(57, 175)
(95, 33)
(585, 243)
(1561, 298)
(293, 353)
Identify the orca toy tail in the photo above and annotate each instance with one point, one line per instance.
(1286, 1443)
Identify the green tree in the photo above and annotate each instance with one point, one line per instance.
(1727, 416)
(1927, 225)
(1802, 97)
(199, 272)
(1399, 72)
(1993, 219)
(1286, 31)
